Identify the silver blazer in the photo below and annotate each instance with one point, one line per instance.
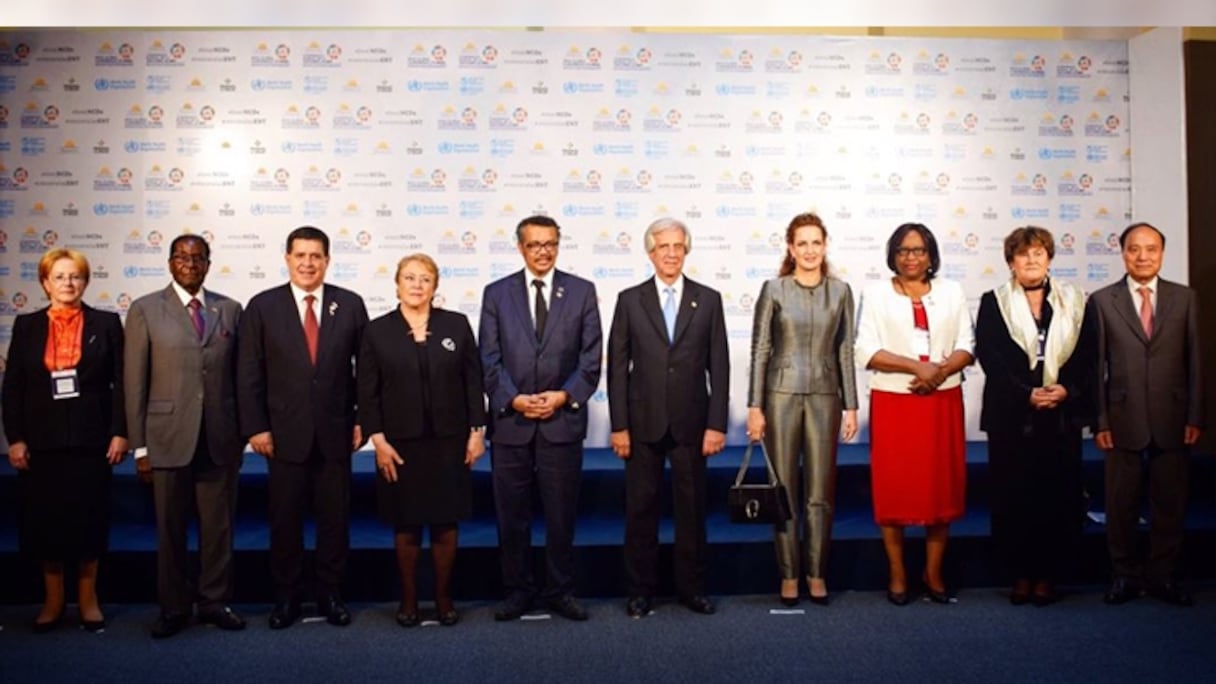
(802, 341)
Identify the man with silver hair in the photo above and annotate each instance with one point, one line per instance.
(668, 391)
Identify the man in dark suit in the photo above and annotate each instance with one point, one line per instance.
(296, 396)
(540, 342)
(668, 392)
(1150, 408)
(180, 382)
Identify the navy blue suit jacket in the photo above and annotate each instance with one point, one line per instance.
(566, 358)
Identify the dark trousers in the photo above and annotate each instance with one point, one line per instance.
(556, 470)
(325, 484)
(209, 491)
(1037, 507)
(1167, 495)
(643, 481)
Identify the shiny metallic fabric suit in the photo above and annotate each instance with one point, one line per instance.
(802, 377)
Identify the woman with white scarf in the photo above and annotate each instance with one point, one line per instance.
(1030, 344)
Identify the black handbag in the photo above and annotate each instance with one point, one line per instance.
(767, 503)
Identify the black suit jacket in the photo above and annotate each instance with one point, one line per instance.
(33, 417)
(1008, 378)
(653, 385)
(278, 388)
(390, 396)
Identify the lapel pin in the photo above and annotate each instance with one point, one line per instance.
(333, 306)
(448, 344)
(693, 304)
(560, 291)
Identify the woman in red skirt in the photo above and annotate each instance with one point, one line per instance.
(914, 333)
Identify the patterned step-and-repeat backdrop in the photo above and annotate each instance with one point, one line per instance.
(114, 142)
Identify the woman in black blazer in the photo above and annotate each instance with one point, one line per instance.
(63, 417)
(421, 403)
(1030, 343)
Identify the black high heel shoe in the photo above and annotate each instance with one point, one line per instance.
(933, 594)
(898, 598)
(50, 626)
(93, 626)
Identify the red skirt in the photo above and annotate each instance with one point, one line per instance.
(918, 468)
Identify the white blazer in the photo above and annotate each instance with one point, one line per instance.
(884, 321)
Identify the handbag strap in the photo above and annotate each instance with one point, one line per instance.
(768, 464)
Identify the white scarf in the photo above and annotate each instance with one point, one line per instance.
(1068, 308)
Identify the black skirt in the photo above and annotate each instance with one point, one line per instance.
(64, 504)
(433, 486)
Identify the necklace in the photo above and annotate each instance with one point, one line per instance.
(417, 329)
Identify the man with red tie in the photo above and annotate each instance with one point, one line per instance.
(1149, 410)
(296, 397)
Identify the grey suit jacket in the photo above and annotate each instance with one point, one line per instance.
(173, 380)
(1147, 389)
(802, 341)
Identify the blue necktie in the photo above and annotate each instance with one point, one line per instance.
(669, 314)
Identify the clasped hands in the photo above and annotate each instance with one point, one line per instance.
(540, 406)
(927, 377)
(1049, 397)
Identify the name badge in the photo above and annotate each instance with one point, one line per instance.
(920, 344)
(65, 384)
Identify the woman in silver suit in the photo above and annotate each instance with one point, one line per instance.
(802, 393)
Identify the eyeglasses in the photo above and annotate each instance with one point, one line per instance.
(74, 278)
(189, 259)
(918, 252)
(538, 247)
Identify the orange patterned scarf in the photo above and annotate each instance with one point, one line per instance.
(63, 338)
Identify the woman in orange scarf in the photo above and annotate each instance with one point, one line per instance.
(63, 417)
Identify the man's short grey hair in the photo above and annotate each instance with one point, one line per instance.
(662, 226)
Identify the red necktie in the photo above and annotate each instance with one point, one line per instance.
(1146, 311)
(312, 330)
(196, 316)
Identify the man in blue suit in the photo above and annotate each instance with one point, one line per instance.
(540, 344)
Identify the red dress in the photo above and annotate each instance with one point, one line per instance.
(917, 452)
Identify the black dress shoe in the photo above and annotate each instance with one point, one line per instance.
(512, 607)
(698, 604)
(223, 617)
(449, 617)
(284, 614)
(168, 624)
(1170, 592)
(898, 598)
(334, 610)
(1121, 591)
(1019, 598)
(637, 607)
(568, 608)
(408, 619)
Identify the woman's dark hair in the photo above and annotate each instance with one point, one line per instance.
(935, 256)
(799, 221)
(1026, 237)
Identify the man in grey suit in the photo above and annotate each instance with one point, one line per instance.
(179, 377)
(668, 392)
(1149, 408)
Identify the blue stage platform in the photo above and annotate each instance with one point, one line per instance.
(742, 560)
